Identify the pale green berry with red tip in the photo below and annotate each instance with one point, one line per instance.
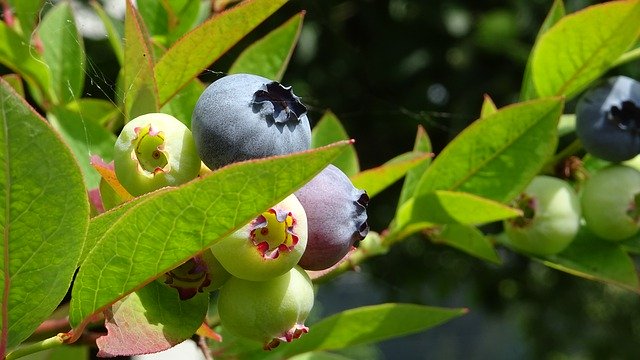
(201, 273)
(153, 151)
(269, 245)
(271, 311)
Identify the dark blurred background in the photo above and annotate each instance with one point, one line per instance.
(386, 66)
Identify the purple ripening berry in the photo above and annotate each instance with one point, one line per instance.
(336, 218)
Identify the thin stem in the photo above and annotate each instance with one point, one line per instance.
(36, 347)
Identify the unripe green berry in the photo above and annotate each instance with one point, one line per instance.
(153, 151)
(270, 311)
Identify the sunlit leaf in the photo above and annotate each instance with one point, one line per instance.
(159, 231)
(422, 144)
(270, 55)
(582, 46)
(199, 48)
(466, 238)
(329, 129)
(379, 178)
(44, 219)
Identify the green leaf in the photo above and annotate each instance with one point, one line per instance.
(155, 16)
(80, 128)
(182, 104)
(140, 92)
(379, 178)
(190, 55)
(270, 55)
(44, 219)
(488, 107)
(557, 11)
(497, 156)
(466, 238)
(155, 233)
(328, 130)
(27, 12)
(115, 31)
(369, 324)
(422, 144)
(19, 56)
(582, 46)
(63, 52)
(451, 207)
(76, 352)
(16, 83)
(319, 355)
(596, 259)
(149, 320)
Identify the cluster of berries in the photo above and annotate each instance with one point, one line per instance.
(608, 126)
(265, 293)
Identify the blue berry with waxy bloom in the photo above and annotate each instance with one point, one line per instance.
(243, 116)
(153, 151)
(336, 217)
(608, 119)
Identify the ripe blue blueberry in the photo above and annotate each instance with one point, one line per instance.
(608, 119)
(242, 116)
(336, 218)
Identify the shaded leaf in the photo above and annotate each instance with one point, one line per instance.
(270, 55)
(466, 238)
(328, 130)
(199, 48)
(596, 259)
(156, 232)
(140, 92)
(149, 320)
(63, 52)
(379, 178)
(27, 12)
(182, 104)
(422, 144)
(384, 321)
(497, 156)
(582, 46)
(44, 219)
(15, 81)
(115, 31)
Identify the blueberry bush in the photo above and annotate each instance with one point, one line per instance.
(185, 209)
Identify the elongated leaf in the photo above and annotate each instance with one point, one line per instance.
(582, 46)
(422, 144)
(44, 219)
(140, 92)
(19, 56)
(488, 107)
(451, 207)
(270, 55)
(379, 178)
(165, 228)
(329, 129)
(182, 104)
(596, 259)
(15, 82)
(85, 137)
(115, 31)
(369, 324)
(467, 238)
(63, 52)
(497, 156)
(149, 320)
(27, 13)
(199, 48)
(557, 11)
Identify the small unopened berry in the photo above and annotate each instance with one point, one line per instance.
(200, 273)
(269, 245)
(243, 116)
(271, 311)
(336, 216)
(153, 151)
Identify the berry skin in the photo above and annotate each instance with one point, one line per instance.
(609, 202)
(269, 246)
(551, 217)
(608, 119)
(268, 311)
(153, 151)
(337, 217)
(242, 116)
